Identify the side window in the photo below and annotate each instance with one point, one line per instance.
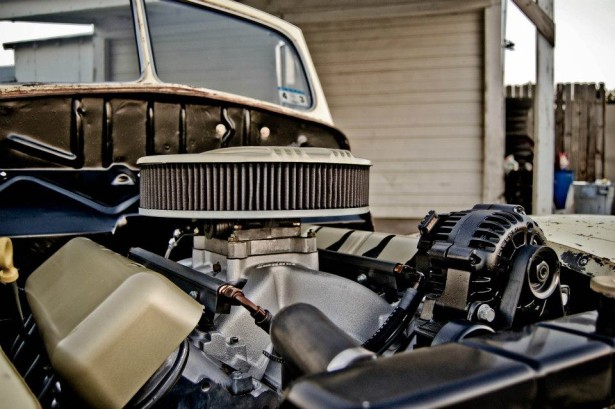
(77, 44)
(204, 48)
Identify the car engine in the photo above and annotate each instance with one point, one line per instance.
(271, 310)
(264, 251)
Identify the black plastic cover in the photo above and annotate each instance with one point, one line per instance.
(584, 324)
(451, 375)
(572, 370)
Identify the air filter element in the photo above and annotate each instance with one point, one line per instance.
(255, 183)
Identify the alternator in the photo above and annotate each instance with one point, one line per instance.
(488, 265)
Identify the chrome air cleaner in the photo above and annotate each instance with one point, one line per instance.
(255, 183)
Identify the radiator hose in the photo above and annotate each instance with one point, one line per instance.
(310, 343)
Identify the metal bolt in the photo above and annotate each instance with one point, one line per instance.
(265, 133)
(194, 294)
(220, 130)
(583, 261)
(311, 233)
(233, 238)
(361, 278)
(233, 341)
(485, 313)
(217, 267)
(241, 383)
(519, 210)
(542, 271)
(301, 139)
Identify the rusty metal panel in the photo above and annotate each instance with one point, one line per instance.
(37, 133)
(272, 130)
(92, 127)
(128, 120)
(168, 133)
(76, 151)
(98, 131)
(236, 121)
(200, 127)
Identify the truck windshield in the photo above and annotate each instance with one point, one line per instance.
(85, 42)
(204, 48)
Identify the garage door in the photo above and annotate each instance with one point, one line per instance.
(408, 93)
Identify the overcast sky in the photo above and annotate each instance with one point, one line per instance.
(584, 44)
(584, 52)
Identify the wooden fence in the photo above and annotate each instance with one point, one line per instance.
(579, 125)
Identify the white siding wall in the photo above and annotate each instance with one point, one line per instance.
(110, 56)
(55, 62)
(408, 93)
(123, 61)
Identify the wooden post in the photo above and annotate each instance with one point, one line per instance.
(494, 133)
(600, 132)
(544, 122)
(559, 120)
(581, 99)
(540, 16)
(592, 131)
(568, 119)
(575, 124)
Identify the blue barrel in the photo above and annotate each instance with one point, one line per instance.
(562, 181)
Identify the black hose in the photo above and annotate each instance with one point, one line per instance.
(401, 315)
(298, 333)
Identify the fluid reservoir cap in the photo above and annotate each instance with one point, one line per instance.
(604, 285)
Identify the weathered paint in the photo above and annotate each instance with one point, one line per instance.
(585, 243)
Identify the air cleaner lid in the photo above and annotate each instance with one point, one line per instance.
(261, 154)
